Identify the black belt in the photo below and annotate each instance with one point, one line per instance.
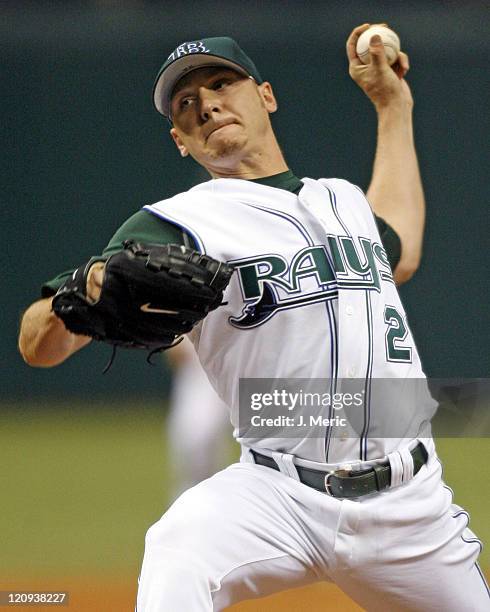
(346, 483)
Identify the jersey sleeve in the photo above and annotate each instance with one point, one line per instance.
(391, 241)
(142, 227)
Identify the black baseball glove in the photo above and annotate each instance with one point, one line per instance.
(150, 296)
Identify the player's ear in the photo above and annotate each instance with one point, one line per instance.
(178, 143)
(268, 97)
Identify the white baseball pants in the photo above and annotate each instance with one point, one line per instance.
(250, 531)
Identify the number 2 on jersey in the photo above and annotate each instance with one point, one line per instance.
(395, 334)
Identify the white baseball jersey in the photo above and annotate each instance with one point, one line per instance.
(312, 297)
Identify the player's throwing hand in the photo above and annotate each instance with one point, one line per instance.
(382, 83)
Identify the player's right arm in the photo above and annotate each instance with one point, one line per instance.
(44, 340)
(395, 192)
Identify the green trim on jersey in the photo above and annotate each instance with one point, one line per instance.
(142, 227)
(145, 227)
(284, 180)
(391, 241)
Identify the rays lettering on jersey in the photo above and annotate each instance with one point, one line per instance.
(269, 283)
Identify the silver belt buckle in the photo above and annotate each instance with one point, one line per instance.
(342, 473)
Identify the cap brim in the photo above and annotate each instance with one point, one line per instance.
(168, 78)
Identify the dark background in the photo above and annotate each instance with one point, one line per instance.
(83, 149)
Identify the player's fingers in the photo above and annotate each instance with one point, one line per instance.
(397, 69)
(377, 52)
(352, 43)
(95, 278)
(404, 62)
(402, 65)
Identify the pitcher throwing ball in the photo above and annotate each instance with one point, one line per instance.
(293, 279)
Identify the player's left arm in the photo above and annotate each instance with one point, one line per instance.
(395, 191)
(44, 340)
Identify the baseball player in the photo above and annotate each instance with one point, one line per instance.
(312, 297)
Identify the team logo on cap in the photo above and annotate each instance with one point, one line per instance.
(187, 48)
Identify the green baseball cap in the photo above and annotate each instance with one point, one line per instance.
(219, 51)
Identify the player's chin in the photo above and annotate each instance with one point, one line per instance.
(226, 147)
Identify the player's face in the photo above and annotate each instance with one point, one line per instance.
(221, 118)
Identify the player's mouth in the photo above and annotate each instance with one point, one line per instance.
(220, 126)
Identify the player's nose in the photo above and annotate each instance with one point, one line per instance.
(209, 103)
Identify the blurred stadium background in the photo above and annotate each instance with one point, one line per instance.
(84, 470)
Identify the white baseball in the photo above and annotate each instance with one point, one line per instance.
(390, 40)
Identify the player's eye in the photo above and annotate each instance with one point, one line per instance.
(220, 84)
(185, 102)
